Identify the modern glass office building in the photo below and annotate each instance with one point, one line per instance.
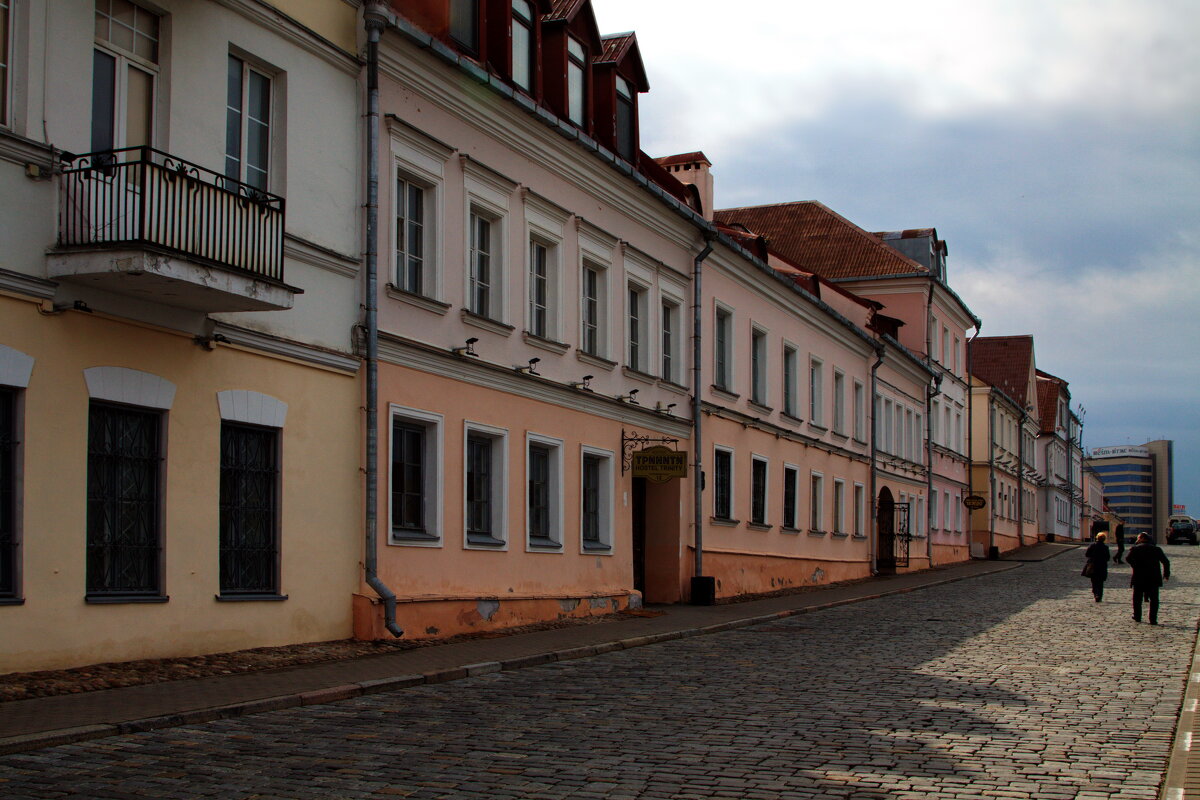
(1137, 483)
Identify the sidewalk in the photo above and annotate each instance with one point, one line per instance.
(48, 721)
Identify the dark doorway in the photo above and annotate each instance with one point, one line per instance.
(885, 526)
(639, 535)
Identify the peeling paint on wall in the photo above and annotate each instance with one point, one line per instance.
(597, 603)
(568, 605)
(818, 576)
(487, 608)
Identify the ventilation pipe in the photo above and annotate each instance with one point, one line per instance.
(703, 589)
(376, 17)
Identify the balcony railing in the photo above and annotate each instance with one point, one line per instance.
(140, 196)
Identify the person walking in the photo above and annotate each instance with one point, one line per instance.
(1145, 558)
(1120, 534)
(1096, 566)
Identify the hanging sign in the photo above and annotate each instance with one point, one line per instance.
(659, 464)
(974, 502)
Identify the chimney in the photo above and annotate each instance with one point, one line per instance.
(692, 169)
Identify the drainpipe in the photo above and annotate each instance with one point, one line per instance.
(872, 554)
(930, 393)
(992, 551)
(703, 589)
(376, 17)
(1021, 480)
(970, 437)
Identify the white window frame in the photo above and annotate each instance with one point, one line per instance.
(719, 449)
(839, 506)
(723, 328)
(499, 485)
(403, 180)
(524, 17)
(422, 163)
(933, 511)
(638, 346)
(886, 419)
(946, 510)
(758, 365)
(860, 510)
(860, 411)
(839, 402)
(791, 360)
(793, 482)
(766, 489)
(816, 502)
(607, 458)
(555, 494)
(494, 285)
(123, 60)
(669, 309)
(432, 499)
(576, 104)
(598, 324)
(816, 392)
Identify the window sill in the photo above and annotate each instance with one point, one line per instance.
(486, 323)
(721, 391)
(483, 541)
(816, 426)
(414, 538)
(757, 406)
(248, 598)
(759, 526)
(812, 532)
(112, 600)
(725, 522)
(12, 601)
(841, 534)
(672, 386)
(859, 536)
(786, 529)
(860, 441)
(595, 360)
(418, 300)
(845, 437)
(597, 549)
(542, 343)
(638, 375)
(544, 545)
(792, 418)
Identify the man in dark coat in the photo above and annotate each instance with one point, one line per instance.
(1144, 559)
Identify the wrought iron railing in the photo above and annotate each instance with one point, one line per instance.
(143, 196)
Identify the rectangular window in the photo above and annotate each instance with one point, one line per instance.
(481, 266)
(758, 367)
(946, 511)
(626, 120)
(522, 44)
(670, 321)
(886, 427)
(593, 311)
(758, 491)
(576, 81)
(8, 492)
(464, 24)
(415, 478)
(791, 488)
(816, 503)
(958, 513)
(596, 500)
(723, 484)
(933, 510)
(544, 491)
(5, 58)
(636, 310)
(839, 402)
(945, 347)
(816, 393)
(410, 236)
(860, 411)
(789, 381)
(722, 349)
(956, 349)
(249, 523)
(909, 437)
(860, 509)
(934, 416)
(839, 506)
(123, 75)
(482, 497)
(247, 124)
(124, 532)
(539, 289)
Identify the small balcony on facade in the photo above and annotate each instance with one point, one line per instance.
(143, 223)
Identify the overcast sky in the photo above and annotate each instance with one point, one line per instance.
(1054, 146)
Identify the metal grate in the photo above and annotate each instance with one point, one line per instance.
(249, 509)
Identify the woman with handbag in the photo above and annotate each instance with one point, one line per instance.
(1096, 566)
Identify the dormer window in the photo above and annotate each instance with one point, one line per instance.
(464, 24)
(522, 44)
(576, 81)
(625, 119)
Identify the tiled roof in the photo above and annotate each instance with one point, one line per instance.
(623, 47)
(817, 239)
(564, 9)
(1047, 403)
(684, 158)
(614, 44)
(911, 233)
(1003, 362)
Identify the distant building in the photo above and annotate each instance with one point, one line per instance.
(1138, 483)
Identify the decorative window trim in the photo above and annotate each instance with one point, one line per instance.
(791, 525)
(606, 514)
(554, 542)
(756, 459)
(732, 515)
(252, 408)
(499, 466)
(129, 386)
(434, 479)
(15, 367)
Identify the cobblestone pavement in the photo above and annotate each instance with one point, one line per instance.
(1014, 685)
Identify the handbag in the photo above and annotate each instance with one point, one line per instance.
(1087, 570)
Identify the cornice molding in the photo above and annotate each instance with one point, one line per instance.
(320, 257)
(330, 359)
(19, 283)
(272, 19)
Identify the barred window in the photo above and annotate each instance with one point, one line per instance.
(249, 523)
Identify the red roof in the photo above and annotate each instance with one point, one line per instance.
(683, 158)
(623, 47)
(818, 239)
(1004, 362)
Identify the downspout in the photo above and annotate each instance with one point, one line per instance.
(1021, 480)
(992, 552)
(970, 436)
(708, 595)
(376, 17)
(930, 393)
(874, 546)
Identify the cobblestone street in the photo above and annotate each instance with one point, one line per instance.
(1013, 685)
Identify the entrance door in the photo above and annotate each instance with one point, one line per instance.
(885, 525)
(639, 534)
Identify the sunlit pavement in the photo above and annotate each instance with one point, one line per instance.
(1012, 685)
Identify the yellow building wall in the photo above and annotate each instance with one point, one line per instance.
(335, 20)
(320, 505)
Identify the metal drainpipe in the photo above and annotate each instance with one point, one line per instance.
(991, 478)
(698, 461)
(375, 19)
(872, 554)
(929, 395)
(970, 437)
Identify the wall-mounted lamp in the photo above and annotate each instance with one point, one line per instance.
(528, 369)
(468, 349)
(629, 398)
(584, 384)
(660, 408)
(207, 341)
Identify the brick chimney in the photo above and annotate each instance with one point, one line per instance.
(693, 169)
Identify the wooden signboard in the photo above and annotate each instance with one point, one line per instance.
(659, 464)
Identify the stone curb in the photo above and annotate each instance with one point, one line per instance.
(37, 741)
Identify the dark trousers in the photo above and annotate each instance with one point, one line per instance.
(1098, 586)
(1151, 594)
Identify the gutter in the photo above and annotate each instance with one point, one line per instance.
(703, 590)
(874, 546)
(376, 17)
(930, 393)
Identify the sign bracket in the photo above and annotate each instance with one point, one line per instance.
(635, 441)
